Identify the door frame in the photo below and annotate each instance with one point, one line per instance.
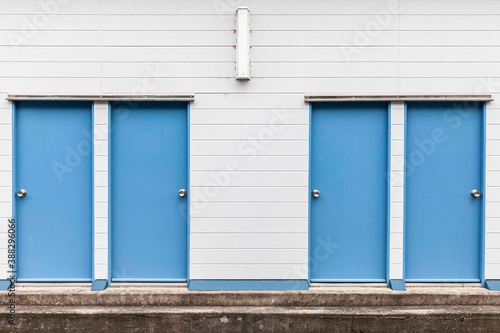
(482, 216)
(15, 186)
(188, 196)
(388, 198)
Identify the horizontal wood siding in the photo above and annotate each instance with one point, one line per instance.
(397, 164)
(5, 183)
(101, 173)
(249, 140)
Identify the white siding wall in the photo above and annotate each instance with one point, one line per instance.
(492, 195)
(5, 182)
(249, 166)
(101, 190)
(335, 46)
(397, 190)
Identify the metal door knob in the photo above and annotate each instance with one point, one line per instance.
(475, 193)
(182, 193)
(315, 193)
(21, 193)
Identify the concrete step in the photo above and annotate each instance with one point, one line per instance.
(256, 319)
(339, 308)
(158, 295)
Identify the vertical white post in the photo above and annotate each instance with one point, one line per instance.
(101, 190)
(397, 191)
(492, 197)
(242, 43)
(5, 185)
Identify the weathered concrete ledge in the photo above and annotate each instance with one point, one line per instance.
(159, 308)
(163, 295)
(258, 319)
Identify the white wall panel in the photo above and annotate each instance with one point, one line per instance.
(449, 38)
(249, 241)
(337, 7)
(325, 53)
(46, 54)
(197, 54)
(249, 116)
(494, 191)
(169, 22)
(494, 129)
(249, 209)
(250, 271)
(50, 23)
(171, 47)
(318, 38)
(271, 101)
(257, 179)
(250, 148)
(493, 226)
(261, 85)
(53, 38)
(169, 69)
(492, 146)
(167, 38)
(449, 70)
(449, 54)
(255, 219)
(324, 69)
(440, 85)
(101, 190)
(50, 69)
(6, 130)
(493, 176)
(492, 196)
(396, 191)
(317, 22)
(248, 225)
(5, 186)
(59, 85)
(449, 22)
(245, 132)
(250, 256)
(30, 8)
(250, 163)
(448, 7)
(248, 194)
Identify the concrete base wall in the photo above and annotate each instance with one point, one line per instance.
(334, 309)
(262, 319)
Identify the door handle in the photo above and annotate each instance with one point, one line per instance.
(315, 193)
(21, 193)
(182, 193)
(475, 193)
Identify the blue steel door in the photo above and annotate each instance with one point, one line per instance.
(149, 167)
(53, 151)
(349, 153)
(443, 165)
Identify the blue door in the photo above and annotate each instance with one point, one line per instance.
(53, 165)
(149, 167)
(443, 216)
(349, 168)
